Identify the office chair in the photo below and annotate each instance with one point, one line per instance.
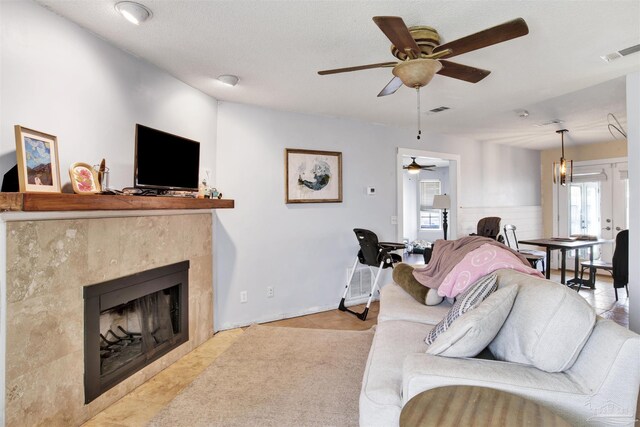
(618, 267)
(534, 257)
(372, 254)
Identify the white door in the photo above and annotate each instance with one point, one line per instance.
(595, 203)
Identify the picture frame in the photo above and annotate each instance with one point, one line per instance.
(84, 179)
(38, 161)
(313, 176)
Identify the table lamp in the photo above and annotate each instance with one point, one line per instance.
(442, 202)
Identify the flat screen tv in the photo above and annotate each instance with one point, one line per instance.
(164, 161)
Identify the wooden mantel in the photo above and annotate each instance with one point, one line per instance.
(48, 202)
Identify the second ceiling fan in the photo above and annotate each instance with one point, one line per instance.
(421, 55)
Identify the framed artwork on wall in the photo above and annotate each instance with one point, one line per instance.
(38, 163)
(313, 176)
(84, 179)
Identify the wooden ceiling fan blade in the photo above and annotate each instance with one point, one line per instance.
(494, 35)
(357, 68)
(462, 72)
(391, 87)
(397, 32)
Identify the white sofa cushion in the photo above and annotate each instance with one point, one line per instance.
(396, 304)
(381, 393)
(475, 329)
(548, 324)
(468, 300)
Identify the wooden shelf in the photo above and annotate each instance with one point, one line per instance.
(48, 202)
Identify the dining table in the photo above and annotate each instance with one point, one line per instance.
(564, 244)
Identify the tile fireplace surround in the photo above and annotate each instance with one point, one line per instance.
(48, 261)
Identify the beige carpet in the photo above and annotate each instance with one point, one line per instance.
(277, 376)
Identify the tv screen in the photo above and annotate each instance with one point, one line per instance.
(164, 161)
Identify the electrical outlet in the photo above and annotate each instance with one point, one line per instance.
(269, 291)
(243, 296)
(394, 220)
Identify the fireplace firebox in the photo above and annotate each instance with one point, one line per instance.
(132, 321)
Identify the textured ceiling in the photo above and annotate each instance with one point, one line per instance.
(276, 48)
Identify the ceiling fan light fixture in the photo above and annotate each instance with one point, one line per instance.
(229, 79)
(133, 12)
(413, 167)
(417, 72)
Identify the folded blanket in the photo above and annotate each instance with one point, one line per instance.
(478, 263)
(448, 253)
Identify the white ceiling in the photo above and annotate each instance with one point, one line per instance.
(277, 47)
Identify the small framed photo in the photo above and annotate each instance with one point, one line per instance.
(313, 176)
(38, 162)
(84, 179)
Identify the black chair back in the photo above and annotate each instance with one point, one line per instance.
(369, 246)
(621, 260)
(489, 227)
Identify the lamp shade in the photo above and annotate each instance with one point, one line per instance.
(417, 72)
(441, 202)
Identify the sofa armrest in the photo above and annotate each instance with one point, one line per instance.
(424, 371)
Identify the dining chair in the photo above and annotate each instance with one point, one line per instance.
(618, 267)
(488, 227)
(534, 257)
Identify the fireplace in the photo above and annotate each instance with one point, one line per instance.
(132, 321)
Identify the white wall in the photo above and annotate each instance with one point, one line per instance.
(304, 250)
(60, 79)
(633, 133)
(410, 223)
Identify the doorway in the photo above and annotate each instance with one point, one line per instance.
(417, 220)
(596, 203)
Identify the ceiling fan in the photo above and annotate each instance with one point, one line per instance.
(421, 55)
(415, 167)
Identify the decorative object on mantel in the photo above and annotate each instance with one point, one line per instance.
(313, 176)
(84, 179)
(442, 202)
(38, 163)
(103, 175)
(560, 168)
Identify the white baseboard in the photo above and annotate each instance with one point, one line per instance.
(311, 310)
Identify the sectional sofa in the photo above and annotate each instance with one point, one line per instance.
(552, 349)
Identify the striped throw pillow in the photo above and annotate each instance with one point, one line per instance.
(466, 301)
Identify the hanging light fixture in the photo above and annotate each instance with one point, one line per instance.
(417, 73)
(560, 168)
(413, 167)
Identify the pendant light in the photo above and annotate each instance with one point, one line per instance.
(560, 168)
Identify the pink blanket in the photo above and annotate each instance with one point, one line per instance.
(448, 253)
(480, 262)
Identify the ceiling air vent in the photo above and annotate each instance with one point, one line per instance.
(619, 54)
(438, 110)
(550, 122)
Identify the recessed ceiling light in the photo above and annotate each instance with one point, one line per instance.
(229, 79)
(133, 12)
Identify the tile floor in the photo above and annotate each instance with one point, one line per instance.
(141, 405)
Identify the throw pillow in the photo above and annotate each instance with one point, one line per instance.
(475, 329)
(466, 301)
(403, 276)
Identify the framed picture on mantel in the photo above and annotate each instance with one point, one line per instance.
(313, 176)
(38, 163)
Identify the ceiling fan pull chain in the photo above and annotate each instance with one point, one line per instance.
(418, 93)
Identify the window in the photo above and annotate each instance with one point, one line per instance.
(430, 219)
